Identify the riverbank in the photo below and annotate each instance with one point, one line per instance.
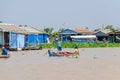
(92, 64)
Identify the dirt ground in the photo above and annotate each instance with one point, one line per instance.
(92, 64)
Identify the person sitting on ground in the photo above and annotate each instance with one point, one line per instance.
(76, 51)
(4, 51)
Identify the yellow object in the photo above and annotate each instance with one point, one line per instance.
(73, 56)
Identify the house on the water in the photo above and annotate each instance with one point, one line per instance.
(11, 36)
(34, 36)
(65, 35)
(86, 35)
(105, 35)
(77, 35)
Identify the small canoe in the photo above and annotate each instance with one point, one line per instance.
(50, 53)
(4, 56)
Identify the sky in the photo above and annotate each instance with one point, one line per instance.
(61, 13)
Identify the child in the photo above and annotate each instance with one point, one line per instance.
(76, 51)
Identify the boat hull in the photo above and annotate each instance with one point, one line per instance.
(64, 54)
(52, 54)
(4, 56)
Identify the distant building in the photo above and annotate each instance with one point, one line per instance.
(77, 35)
(65, 35)
(105, 35)
(101, 36)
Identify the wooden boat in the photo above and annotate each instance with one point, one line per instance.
(50, 53)
(5, 56)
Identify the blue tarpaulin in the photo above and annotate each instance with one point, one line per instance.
(20, 40)
(42, 38)
(13, 40)
(31, 40)
(16, 40)
(45, 38)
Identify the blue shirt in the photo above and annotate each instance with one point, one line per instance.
(59, 43)
(4, 51)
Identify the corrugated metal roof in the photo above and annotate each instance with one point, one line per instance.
(83, 31)
(106, 31)
(31, 30)
(11, 28)
(68, 31)
(100, 33)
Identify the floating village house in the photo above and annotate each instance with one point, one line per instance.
(34, 36)
(76, 35)
(101, 36)
(14, 37)
(11, 36)
(85, 35)
(104, 35)
(65, 35)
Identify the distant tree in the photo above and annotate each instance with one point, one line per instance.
(54, 34)
(25, 25)
(110, 27)
(48, 30)
(61, 29)
(1, 22)
(20, 25)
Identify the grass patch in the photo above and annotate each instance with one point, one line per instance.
(81, 45)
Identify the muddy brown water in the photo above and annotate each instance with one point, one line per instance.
(92, 64)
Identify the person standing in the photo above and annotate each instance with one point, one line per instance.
(59, 45)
